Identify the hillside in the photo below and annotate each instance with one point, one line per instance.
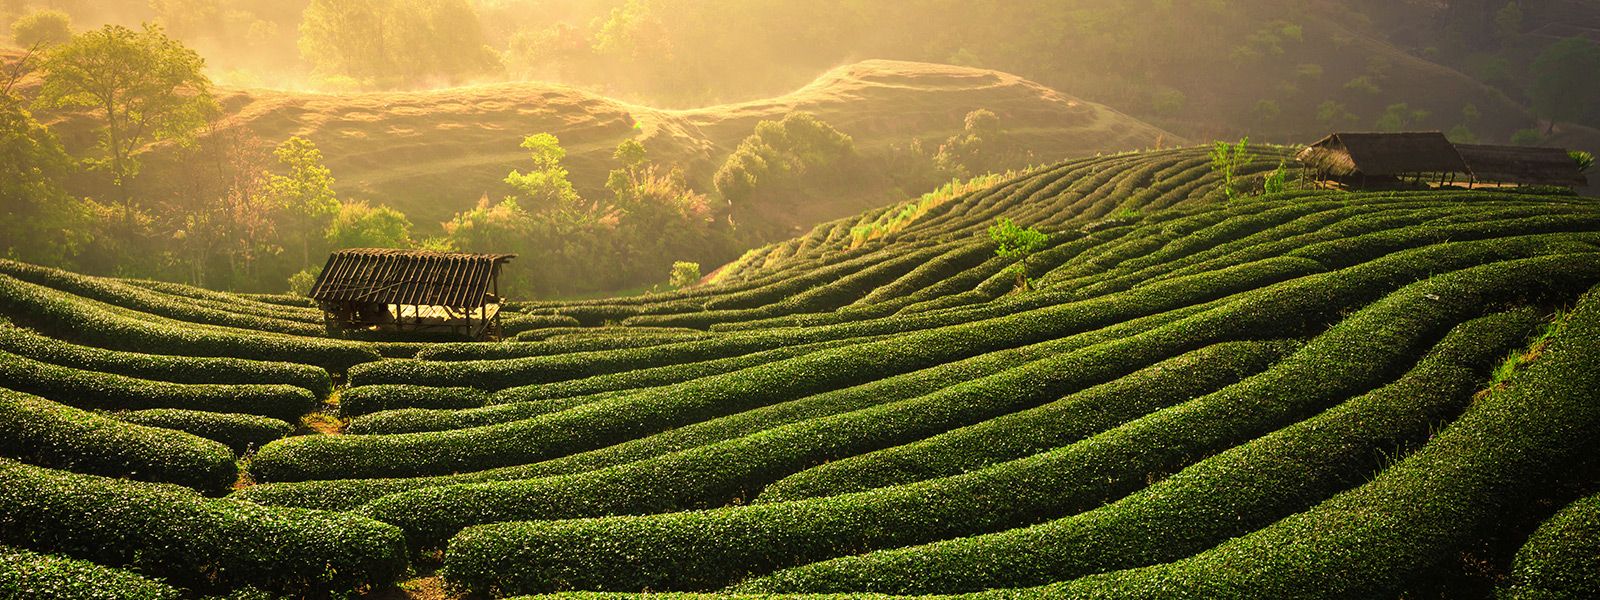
(1308, 394)
(434, 153)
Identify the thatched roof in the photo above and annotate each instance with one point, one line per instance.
(1522, 164)
(1383, 154)
(384, 276)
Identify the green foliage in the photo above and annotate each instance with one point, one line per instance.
(684, 274)
(302, 281)
(39, 220)
(1278, 181)
(1333, 114)
(1564, 87)
(42, 29)
(93, 389)
(241, 433)
(1226, 161)
(981, 147)
(780, 153)
(47, 433)
(1527, 137)
(1462, 134)
(1400, 117)
(1558, 559)
(25, 574)
(1014, 242)
(142, 86)
(546, 186)
(177, 534)
(1584, 160)
(304, 194)
(360, 225)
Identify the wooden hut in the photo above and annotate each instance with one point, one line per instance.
(1521, 165)
(1380, 160)
(376, 289)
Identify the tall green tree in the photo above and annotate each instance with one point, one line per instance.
(39, 221)
(304, 193)
(1014, 241)
(1566, 81)
(43, 28)
(1226, 160)
(143, 86)
(545, 186)
(361, 225)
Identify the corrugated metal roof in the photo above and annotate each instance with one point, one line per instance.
(387, 276)
(1522, 164)
(1384, 154)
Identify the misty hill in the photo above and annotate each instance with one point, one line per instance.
(434, 153)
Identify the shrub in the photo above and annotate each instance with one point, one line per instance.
(175, 369)
(1558, 559)
(42, 432)
(696, 550)
(175, 533)
(1424, 508)
(93, 389)
(241, 433)
(25, 574)
(367, 399)
(63, 315)
(1233, 493)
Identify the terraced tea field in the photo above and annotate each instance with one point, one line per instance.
(1306, 394)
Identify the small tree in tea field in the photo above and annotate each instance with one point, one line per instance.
(685, 274)
(1013, 241)
(1226, 159)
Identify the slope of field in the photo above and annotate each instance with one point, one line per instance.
(433, 153)
(1305, 394)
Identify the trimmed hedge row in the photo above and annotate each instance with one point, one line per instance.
(1371, 540)
(42, 432)
(351, 493)
(327, 457)
(700, 550)
(368, 399)
(175, 533)
(241, 433)
(93, 389)
(34, 576)
(513, 325)
(63, 315)
(417, 420)
(144, 300)
(1230, 494)
(1559, 559)
(302, 309)
(176, 369)
(1030, 432)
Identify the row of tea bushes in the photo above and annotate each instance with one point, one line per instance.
(1233, 493)
(109, 391)
(1558, 560)
(730, 543)
(42, 432)
(239, 432)
(175, 533)
(35, 576)
(1425, 508)
(69, 317)
(175, 369)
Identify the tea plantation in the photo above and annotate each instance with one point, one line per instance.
(1303, 394)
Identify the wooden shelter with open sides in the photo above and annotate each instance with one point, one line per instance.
(375, 289)
(1384, 160)
(1521, 165)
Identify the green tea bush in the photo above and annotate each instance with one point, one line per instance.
(1424, 508)
(65, 316)
(42, 432)
(1558, 560)
(1233, 493)
(731, 543)
(176, 369)
(516, 324)
(177, 534)
(25, 574)
(241, 433)
(93, 389)
(368, 399)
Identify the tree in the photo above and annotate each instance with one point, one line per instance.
(304, 194)
(360, 225)
(39, 221)
(1013, 241)
(1400, 117)
(546, 186)
(780, 153)
(1333, 114)
(392, 43)
(979, 148)
(1565, 87)
(42, 29)
(685, 274)
(144, 87)
(1226, 159)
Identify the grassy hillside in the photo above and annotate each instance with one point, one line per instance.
(1302, 394)
(432, 154)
